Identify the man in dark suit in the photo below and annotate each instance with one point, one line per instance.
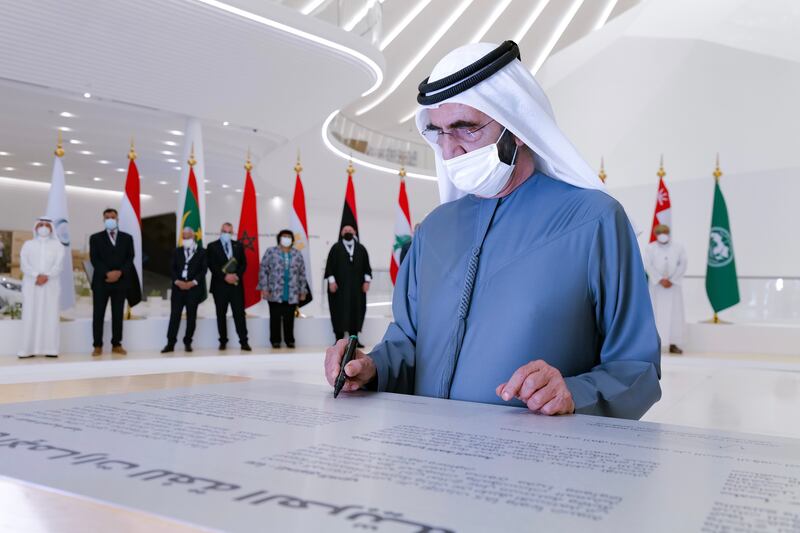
(111, 253)
(189, 288)
(226, 284)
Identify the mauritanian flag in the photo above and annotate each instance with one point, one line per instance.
(402, 228)
(57, 212)
(130, 221)
(190, 217)
(248, 237)
(299, 224)
(663, 212)
(722, 285)
(349, 215)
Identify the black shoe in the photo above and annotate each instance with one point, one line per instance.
(168, 348)
(246, 348)
(223, 345)
(673, 349)
(187, 347)
(25, 356)
(276, 345)
(51, 355)
(290, 345)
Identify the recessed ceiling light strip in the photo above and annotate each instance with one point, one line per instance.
(530, 20)
(372, 65)
(454, 16)
(397, 30)
(560, 29)
(601, 21)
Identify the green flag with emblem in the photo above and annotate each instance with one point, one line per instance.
(722, 286)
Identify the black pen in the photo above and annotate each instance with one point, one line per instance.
(349, 355)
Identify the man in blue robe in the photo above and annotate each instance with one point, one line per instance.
(526, 286)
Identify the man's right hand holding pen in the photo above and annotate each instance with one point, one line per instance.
(359, 371)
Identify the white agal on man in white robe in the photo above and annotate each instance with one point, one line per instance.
(665, 262)
(41, 261)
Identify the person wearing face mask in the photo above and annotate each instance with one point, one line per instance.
(665, 261)
(41, 260)
(283, 283)
(227, 263)
(188, 288)
(111, 252)
(526, 286)
(349, 275)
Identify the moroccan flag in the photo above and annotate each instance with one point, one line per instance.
(722, 286)
(57, 212)
(299, 226)
(248, 237)
(402, 230)
(663, 212)
(349, 216)
(130, 221)
(191, 210)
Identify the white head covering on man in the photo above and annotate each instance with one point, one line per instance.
(513, 98)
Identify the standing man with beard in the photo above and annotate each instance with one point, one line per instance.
(348, 275)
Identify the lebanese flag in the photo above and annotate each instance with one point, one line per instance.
(663, 213)
(130, 221)
(402, 230)
(299, 226)
(248, 237)
(349, 216)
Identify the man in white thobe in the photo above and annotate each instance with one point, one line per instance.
(665, 262)
(41, 260)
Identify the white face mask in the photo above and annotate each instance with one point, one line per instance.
(480, 171)
(286, 242)
(663, 238)
(188, 243)
(43, 231)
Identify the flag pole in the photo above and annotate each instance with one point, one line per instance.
(602, 174)
(129, 312)
(298, 168)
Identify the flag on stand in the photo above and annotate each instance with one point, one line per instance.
(722, 285)
(248, 237)
(192, 150)
(190, 217)
(663, 212)
(402, 227)
(130, 221)
(57, 212)
(299, 224)
(349, 216)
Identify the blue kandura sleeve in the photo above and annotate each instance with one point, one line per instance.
(625, 383)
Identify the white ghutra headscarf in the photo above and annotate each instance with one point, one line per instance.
(513, 98)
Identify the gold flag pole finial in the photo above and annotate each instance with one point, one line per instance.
(602, 174)
(717, 171)
(661, 172)
(132, 152)
(192, 161)
(59, 146)
(248, 165)
(298, 168)
(402, 173)
(350, 168)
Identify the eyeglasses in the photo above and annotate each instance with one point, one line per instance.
(466, 134)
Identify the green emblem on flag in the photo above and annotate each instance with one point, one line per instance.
(720, 248)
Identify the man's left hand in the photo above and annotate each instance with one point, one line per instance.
(232, 279)
(112, 276)
(365, 287)
(541, 387)
(41, 279)
(665, 283)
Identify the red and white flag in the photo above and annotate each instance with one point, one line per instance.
(130, 221)
(663, 212)
(299, 226)
(248, 237)
(402, 229)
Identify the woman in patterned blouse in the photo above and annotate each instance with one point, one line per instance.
(282, 282)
